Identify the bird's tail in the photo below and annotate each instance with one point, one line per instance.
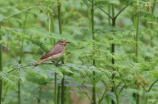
(41, 61)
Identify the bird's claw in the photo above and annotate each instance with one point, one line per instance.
(57, 64)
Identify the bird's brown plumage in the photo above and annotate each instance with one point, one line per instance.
(57, 51)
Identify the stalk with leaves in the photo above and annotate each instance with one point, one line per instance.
(60, 31)
(151, 26)
(92, 29)
(20, 60)
(117, 64)
(1, 64)
(113, 18)
(51, 28)
(136, 50)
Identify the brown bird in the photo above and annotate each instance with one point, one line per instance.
(56, 52)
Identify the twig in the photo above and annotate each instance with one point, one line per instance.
(86, 94)
(106, 12)
(144, 87)
(31, 65)
(18, 68)
(86, 4)
(22, 11)
(152, 85)
(102, 97)
(121, 10)
(122, 88)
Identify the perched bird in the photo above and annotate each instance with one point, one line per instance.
(56, 52)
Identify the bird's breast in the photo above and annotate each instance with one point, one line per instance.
(57, 55)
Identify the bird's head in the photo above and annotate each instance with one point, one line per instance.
(62, 42)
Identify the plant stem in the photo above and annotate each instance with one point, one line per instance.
(152, 11)
(18, 68)
(55, 92)
(94, 90)
(19, 92)
(39, 94)
(151, 26)
(49, 23)
(85, 94)
(113, 50)
(1, 65)
(94, 84)
(22, 11)
(101, 99)
(52, 23)
(5, 93)
(113, 11)
(58, 96)
(121, 10)
(60, 31)
(152, 85)
(92, 18)
(68, 98)
(122, 88)
(109, 12)
(62, 90)
(86, 4)
(51, 27)
(20, 61)
(147, 97)
(136, 50)
(108, 99)
(113, 18)
(116, 93)
(59, 16)
(136, 39)
(146, 100)
(106, 13)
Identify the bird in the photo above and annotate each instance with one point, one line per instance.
(57, 51)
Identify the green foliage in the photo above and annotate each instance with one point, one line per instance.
(37, 37)
(7, 78)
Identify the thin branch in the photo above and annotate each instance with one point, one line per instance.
(22, 11)
(122, 88)
(102, 97)
(19, 12)
(106, 12)
(98, 94)
(86, 4)
(121, 11)
(18, 68)
(118, 85)
(152, 85)
(144, 87)
(86, 94)
(5, 93)
(116, 93)
(55, 63)
(1, 63)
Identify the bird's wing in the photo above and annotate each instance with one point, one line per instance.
(55, 50)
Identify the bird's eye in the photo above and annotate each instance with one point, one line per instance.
(62, 42)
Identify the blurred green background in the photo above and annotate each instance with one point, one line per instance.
(29, 28)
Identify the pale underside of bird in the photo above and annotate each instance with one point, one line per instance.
(57, 51)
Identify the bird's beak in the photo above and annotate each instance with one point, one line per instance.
(67, 42)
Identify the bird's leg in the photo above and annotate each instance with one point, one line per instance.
(53, 61)
(57, 64)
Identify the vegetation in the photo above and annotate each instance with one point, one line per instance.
(112, 58)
